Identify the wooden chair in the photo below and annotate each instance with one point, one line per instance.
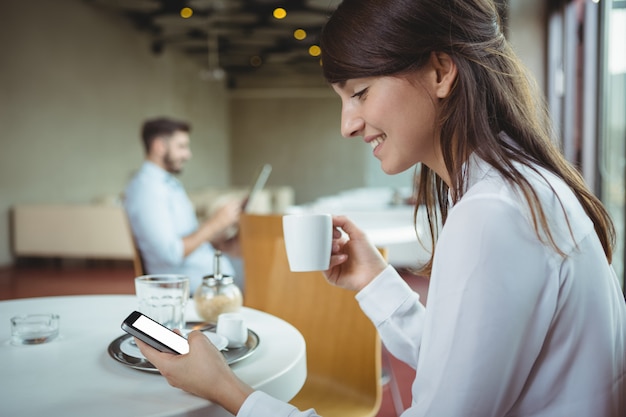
(138, 264)
(343, 346)
(137, 260)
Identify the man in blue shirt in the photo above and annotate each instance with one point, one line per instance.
(163, 219)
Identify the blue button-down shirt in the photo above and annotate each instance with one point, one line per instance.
(161, 215)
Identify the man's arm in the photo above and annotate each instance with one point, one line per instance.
(214, 228)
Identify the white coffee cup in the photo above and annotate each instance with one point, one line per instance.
(233, 327)
(308, 240)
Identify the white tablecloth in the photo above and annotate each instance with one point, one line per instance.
(74, 375)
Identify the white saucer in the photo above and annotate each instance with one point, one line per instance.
(126, 352)
(219, 341)
(129, 347)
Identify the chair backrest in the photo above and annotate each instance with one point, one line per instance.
(138, 264)
(343, 346)
(137, 260)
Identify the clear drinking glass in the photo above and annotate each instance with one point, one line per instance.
(163, 297)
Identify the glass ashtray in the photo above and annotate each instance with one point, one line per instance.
(34, 329)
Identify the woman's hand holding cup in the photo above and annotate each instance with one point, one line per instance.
(355, 261)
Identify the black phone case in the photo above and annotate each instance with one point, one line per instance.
(128, 328)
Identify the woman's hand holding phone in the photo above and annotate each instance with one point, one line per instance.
(154, 334)
(202, 372)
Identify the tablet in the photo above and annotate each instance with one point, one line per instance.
(257, 185)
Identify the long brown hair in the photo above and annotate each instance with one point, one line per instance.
(493, 93)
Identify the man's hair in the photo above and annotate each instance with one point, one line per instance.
(161, 127)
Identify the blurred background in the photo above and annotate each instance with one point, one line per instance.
(78, 77)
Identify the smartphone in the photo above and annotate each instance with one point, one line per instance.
(154, 334)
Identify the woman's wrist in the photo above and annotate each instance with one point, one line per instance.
(234, 395)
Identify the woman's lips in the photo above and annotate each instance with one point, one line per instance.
(376, 141)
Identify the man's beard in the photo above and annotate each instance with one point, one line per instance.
(170, 165)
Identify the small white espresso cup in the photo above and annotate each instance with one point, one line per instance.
(308, 240)
(233, 327)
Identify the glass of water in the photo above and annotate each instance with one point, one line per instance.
(163, 298)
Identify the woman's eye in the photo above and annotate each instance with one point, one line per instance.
(360, 93)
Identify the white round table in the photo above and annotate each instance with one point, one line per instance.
(74, 375)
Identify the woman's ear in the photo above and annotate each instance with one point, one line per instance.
(446, 72)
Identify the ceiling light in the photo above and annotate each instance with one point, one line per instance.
(215, 74)
(315, 50)
(256, 61)
(299, 34)
(280, 13)
(186, 12)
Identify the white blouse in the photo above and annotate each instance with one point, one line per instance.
(512, 328)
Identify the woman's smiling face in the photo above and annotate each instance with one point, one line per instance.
(397, 115)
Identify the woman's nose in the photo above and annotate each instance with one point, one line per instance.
(351, 124)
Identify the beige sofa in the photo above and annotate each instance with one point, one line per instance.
(71, 231)
(100, 230)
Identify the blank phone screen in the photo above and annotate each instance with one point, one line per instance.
(162, 334)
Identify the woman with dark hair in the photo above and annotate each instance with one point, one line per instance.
(525, 314)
